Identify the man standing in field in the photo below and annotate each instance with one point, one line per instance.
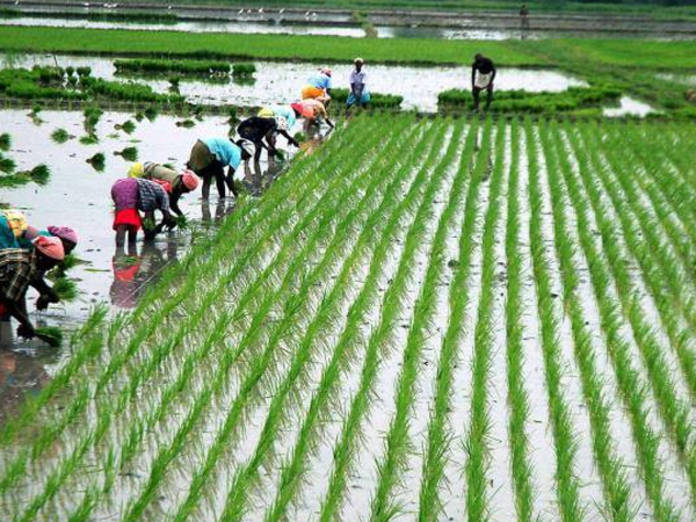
(482, 76)
(524, 18)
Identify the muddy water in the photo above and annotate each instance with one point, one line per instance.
(282, 82)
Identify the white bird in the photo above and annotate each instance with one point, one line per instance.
(281, 11)
(85, 4)
(314, 15)
(169, 7)
(261, 10)
(241, 11)
(307, 13)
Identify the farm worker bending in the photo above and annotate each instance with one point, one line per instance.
(312, 111)
(131, 195)
(18, 268)
(318, 86)
(482, 76)
(358, 91)
(269, 122)
(176, 184)
(210, 156)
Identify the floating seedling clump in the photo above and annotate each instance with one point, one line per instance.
(127, 126)
(5, 142)
(129, 153)
(97, 161)
(60, 136)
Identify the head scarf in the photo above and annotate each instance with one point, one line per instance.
(358, 60)
(50, 247)
(189, 179)
(326, 71)
(136, 170)
(66, 233)
(164, 184)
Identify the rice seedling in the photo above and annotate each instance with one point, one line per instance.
(89, 139)
(5, 141)
(187, 124)
(65, 288)
(60, 136)
(7, 165)
(51, 335)
(97, 161)
(128, 153)
(127, 126)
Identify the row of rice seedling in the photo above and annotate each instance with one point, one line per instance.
(325, 313)
(386, 503)
(150, 366)
(439, 441)
(348, 442)
(570, 504)
(111, 367)
(300, 296)
(247, 474)
(608, 276)
(611, 468)
(666, 383)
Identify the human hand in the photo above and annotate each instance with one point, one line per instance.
(25, 330)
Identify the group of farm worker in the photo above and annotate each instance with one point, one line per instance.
(26, 254)
(152, 187)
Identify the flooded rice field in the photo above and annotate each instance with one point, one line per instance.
(281, 82)
(427, 318)
(79, 196)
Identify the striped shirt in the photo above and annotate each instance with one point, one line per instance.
(17, 269)
(151, 196)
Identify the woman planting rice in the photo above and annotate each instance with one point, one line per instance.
(318, 86)
(269, 122)
(176, 184)
(312, 111)
(134, 195)
(18, 268)
(210, 156)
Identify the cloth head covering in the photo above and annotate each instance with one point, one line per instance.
(136, 171)
(164, 184)
(358, 60)
(65, 233)
(326, 71)
(16, 221)
(50, 247)
(189, 179)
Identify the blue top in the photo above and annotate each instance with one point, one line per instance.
(225, 151)
(321, 81)
(285, 111)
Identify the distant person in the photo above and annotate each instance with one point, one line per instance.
(18, 269)
(318, 86)
(132, 196)
(266, 125)
(210, 156)
(358, 90)
(524, 17)
(313, 111)
(176, 184)
(482, 76)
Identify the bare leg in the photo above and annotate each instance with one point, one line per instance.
(120, 236)
(476, 94)
(206, 186)
(489, 97)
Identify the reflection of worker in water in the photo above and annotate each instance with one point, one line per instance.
(524, 17)
(482, 76)
(20, 375)
(18, 268)
(133, 273)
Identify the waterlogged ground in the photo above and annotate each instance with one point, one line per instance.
(278, 82)
(79, 196)
(427, 317)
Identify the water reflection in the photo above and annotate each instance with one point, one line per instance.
(134, 271)
(223, 207)
(21, 374)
